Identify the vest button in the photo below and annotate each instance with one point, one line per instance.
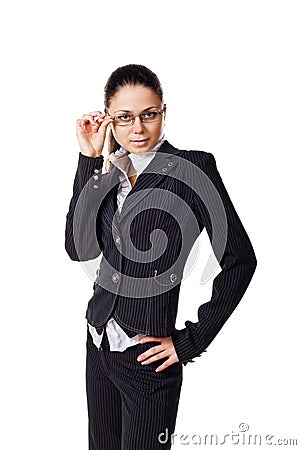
(95, 186)
(173, 277)
(95, 177)
(169, 164)
(115, 277)
(164, 169)
(96, 170)
(117, 240)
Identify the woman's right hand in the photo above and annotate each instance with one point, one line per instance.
(91, 132)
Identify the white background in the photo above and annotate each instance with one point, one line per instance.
(231, 76)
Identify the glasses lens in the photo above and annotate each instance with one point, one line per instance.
(123, 119)
(147, 116)
(150, 116)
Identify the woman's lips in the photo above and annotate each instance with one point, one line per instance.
(139, 142)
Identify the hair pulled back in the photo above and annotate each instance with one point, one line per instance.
(129, 75)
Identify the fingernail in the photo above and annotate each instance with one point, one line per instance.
(139, 358)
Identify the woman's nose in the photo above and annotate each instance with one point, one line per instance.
(137, 125)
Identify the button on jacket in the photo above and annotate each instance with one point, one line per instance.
(119, 339)
(144, 248)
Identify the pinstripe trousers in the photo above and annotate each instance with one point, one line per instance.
(130, 406)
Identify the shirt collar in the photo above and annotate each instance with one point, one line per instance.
(122, 158)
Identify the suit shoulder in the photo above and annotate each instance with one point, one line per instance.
(198, 157)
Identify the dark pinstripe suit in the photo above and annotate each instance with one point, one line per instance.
(156, 314)
(129, 250)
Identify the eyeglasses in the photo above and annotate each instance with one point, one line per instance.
(125, 119)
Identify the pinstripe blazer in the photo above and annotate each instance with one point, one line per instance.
(145, 247)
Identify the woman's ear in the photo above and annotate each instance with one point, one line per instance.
(164, 107)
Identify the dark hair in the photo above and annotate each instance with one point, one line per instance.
(133, 75)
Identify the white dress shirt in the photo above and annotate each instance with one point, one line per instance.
(123, 159)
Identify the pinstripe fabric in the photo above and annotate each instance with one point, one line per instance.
(120, 338)
(130, 304)
(130, 406)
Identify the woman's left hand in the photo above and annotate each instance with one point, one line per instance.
(166, 349)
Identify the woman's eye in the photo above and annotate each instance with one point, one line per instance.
(150, 114)
(124, 117)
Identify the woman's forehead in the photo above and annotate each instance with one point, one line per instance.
(134, 98)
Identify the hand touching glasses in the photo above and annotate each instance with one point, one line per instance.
(91, 132)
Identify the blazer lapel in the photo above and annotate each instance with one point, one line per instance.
(161, 166)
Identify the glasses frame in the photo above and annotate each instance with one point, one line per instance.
(133, 118)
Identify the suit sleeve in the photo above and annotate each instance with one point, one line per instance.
(238, 264)
(80, 232)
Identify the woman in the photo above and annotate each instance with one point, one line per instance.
(143, 215)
